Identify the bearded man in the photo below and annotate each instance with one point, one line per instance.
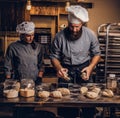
(75, 50)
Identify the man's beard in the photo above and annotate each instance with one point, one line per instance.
(71, 35)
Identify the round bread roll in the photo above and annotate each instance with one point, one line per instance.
(43, 94)
(96, 90)
(108, 93)
(56, 94)
(64, 91)
(91, 95)
(83, 90)
(12, 93)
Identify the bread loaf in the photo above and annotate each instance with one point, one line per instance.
(96, 90)
(27, 92)
(91, 95)
(56, 94)
(12, 93)
(64, 91)
(108, 93)
(43, 94)
(83, 90)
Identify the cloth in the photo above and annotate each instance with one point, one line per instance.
(77, 14)
(23, 60)
(75, 52)
(25, 27)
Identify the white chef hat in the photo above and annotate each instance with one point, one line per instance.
(25, 27)
(77, 14)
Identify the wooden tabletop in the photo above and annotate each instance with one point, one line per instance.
(75, 99)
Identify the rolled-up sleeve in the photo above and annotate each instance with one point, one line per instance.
(95, 46)
(55, 51)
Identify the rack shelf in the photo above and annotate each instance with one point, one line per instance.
(109, 38)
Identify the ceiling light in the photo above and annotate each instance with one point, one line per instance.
(67, 5)
(80, 0)
(28, 6)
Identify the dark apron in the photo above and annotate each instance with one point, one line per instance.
(74, 73)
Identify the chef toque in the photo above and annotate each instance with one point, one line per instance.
(25, 27)
(77, 14)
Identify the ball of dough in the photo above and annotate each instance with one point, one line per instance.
(64, 91)
(83, 90)
(91, 95)
(56, 94)
(11, 93)
(108, 93)
(43, 94)
(96, 90)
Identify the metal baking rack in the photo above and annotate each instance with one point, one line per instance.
(109, 38)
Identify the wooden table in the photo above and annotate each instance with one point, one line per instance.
(74, 100)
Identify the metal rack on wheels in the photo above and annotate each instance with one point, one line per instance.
(109, 38)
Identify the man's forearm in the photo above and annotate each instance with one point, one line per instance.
(56, 64)
(94, 61)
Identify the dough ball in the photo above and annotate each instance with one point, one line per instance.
(91, 95)
(56, 94)
(64, 91)
(96, 90)
(108, 93)
(43, 94)
(11, 93)
(83, 90)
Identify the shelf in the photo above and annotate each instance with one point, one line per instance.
(61, 3)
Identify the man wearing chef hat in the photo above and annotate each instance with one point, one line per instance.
(24, 57)
(75, 50)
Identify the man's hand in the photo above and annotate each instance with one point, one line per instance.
(87, 70)
(63, 73)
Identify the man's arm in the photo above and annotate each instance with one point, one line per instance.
(91, 66)
(94, 61)
(56, 64)
(61, 72)
(8, 63)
